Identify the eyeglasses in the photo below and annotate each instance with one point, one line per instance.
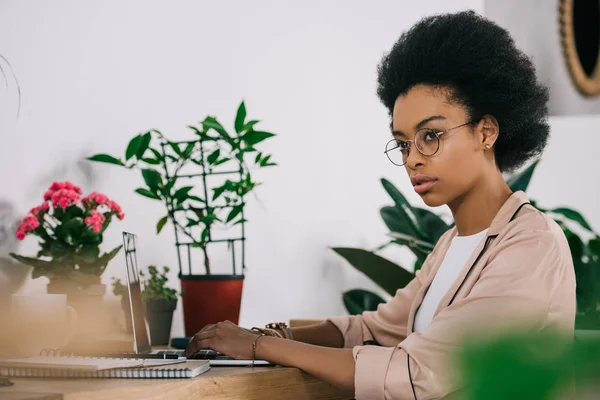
(427, 142)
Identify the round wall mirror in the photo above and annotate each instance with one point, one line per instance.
(580, 31)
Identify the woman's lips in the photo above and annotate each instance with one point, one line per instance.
(425, 186)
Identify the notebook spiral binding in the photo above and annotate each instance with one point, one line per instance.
(56, 353)
(69, 354)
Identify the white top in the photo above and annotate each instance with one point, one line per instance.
(458, 254)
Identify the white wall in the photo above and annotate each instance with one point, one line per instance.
(535, 27)
(95, 73)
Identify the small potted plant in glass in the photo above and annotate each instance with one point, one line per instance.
(160, 303)
(70, 228)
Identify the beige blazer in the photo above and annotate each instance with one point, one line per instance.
(521, 276)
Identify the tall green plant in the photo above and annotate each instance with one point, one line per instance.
(420, 229)
(163, 162)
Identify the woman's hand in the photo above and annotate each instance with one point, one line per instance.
(224, 337)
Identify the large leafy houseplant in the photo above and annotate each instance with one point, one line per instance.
(163, 164)
(419, 230)
(70, 228)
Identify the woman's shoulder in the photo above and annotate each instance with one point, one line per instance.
(531, 220)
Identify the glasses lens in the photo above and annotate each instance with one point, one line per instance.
(397, 151)
(427, 142)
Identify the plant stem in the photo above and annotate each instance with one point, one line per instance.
(202, 246)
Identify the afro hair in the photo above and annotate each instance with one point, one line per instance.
(485, 72)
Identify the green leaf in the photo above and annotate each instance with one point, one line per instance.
(105, 158)
(235, 211)
(389, 276)
(170, 185)
(431, 223)
(240, 118)
(250, 125)
(406, 211)
(420, 248)
(161, 223)
(182, 193)
(176, 149)
(395, 220)
(265, 161)
(218, 191)
(358, 300)
(212, 157)
(254, 137)
(573, 215)
(257, 159)
(521, 180)
(152, 178)
(152, 161)
(157, 154)
(212, 123)
(133, 146)
(33, 262)
(196, 198)
(221, 161)
(105, 258)
(147, 193)
(143, 145)
(188, 150)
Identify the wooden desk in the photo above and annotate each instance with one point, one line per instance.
(223, 383)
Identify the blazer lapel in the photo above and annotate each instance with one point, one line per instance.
(504, 216)
(508, 210)
(443, 248)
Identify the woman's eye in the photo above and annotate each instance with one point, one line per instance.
(402, 145)
(430, 136)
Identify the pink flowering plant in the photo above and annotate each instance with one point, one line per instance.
(70, 227)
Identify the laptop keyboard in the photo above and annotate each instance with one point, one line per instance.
(202, 354)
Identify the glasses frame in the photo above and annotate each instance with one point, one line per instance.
(412, 142)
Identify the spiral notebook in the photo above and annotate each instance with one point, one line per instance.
(96, 367)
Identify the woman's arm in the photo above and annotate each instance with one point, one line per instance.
(335, 366)
(324, 334)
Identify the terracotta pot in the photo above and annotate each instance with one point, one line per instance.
(208, 299)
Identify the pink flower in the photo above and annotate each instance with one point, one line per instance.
(28, 224)
(114, 207)
(121, 216)
(40, 209)
(31, 222)
(64, 198)
(57, 186)
(95, 220)
(48, 195)
(69, 186)
(95, 198)
(60, 186)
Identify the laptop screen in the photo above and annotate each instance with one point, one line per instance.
(140, 329)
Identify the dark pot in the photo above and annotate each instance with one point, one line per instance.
(208, 299)
(160, 318)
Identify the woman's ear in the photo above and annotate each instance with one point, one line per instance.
(490, 130)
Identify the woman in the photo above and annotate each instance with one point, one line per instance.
(465, 106)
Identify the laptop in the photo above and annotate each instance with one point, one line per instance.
(141, 339)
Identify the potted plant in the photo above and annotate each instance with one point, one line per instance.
(70, 228)
(184, 176)
(419, 229)
(160, 303)
(121, 290)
